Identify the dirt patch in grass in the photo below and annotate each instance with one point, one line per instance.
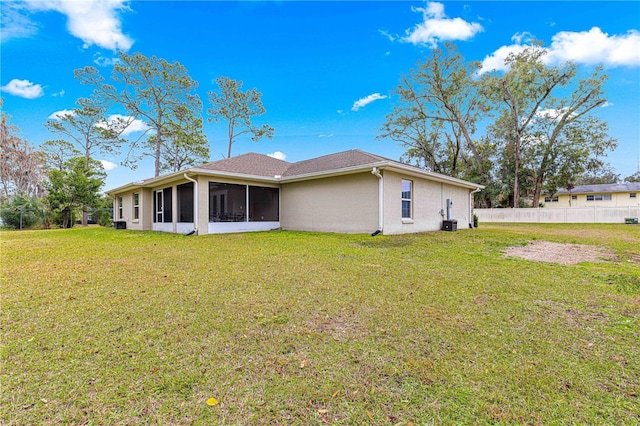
(564, 254)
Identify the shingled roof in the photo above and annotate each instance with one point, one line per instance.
(602, 188)
(340, 160)
(263, 165)
(249, 164)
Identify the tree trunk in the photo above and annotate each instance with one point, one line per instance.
(516, 182)
(537, 192)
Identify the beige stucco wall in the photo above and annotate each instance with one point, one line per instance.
(145, 211)
(619, 199)
(347, 204)
(428, 199)
(202, 215)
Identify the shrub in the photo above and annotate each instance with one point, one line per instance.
(23, 212)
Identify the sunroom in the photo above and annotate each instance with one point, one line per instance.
(239, 208)
(232, 207)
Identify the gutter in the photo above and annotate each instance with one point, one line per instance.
(377, 173)
(195, 203)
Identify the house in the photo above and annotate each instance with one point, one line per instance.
(605, 195)
(347, 192)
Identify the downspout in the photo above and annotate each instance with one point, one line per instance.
(195, 203)
(471, 203)
(377, 173)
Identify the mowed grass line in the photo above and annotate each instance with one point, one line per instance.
(103, 326)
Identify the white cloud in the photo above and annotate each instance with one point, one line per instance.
(59, 114)
(388, 35)
(279, 155)
(587, 47)
(436, 27)
(60, 93)
(23, 88)
(362, 102)
(15, 22)
(595, 47)
(330, 135)
(495, 61)
(108, 165)
(95, 22)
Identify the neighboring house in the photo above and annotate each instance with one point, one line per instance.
(348, 192)
(605, 195)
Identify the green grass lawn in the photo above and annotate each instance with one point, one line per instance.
(101, 326)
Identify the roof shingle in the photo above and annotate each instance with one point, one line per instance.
(249, 164)
(340, 160)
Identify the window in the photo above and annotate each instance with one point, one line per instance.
(227, 202)
(599, 197)
(185, 202)
(120, 216)
(162, 206)
(632, 195)
(406, 199)
(263, 204)
(574, 197)
(551, 199)
(136, 206)
(243, 203)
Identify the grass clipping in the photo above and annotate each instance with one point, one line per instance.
(564, 254)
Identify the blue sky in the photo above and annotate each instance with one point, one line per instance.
(327, 70)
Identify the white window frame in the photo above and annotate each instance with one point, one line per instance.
(135, 200)
(120, 208)
(405, 199)
(599, 197)
(159, 213)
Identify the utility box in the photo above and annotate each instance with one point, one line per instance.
(631, 220)
(450, 225)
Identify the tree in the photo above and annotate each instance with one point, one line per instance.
(633, 178)
(238, 108)
(151, 89)
(102, 211)
(597, 172)
(58, 152)
(77, 185)
(544, 121)
(185, 145)
(87, 129)
(575, 156)
(437, 116)
(21, 167)
(89, 132)
(504, 168)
